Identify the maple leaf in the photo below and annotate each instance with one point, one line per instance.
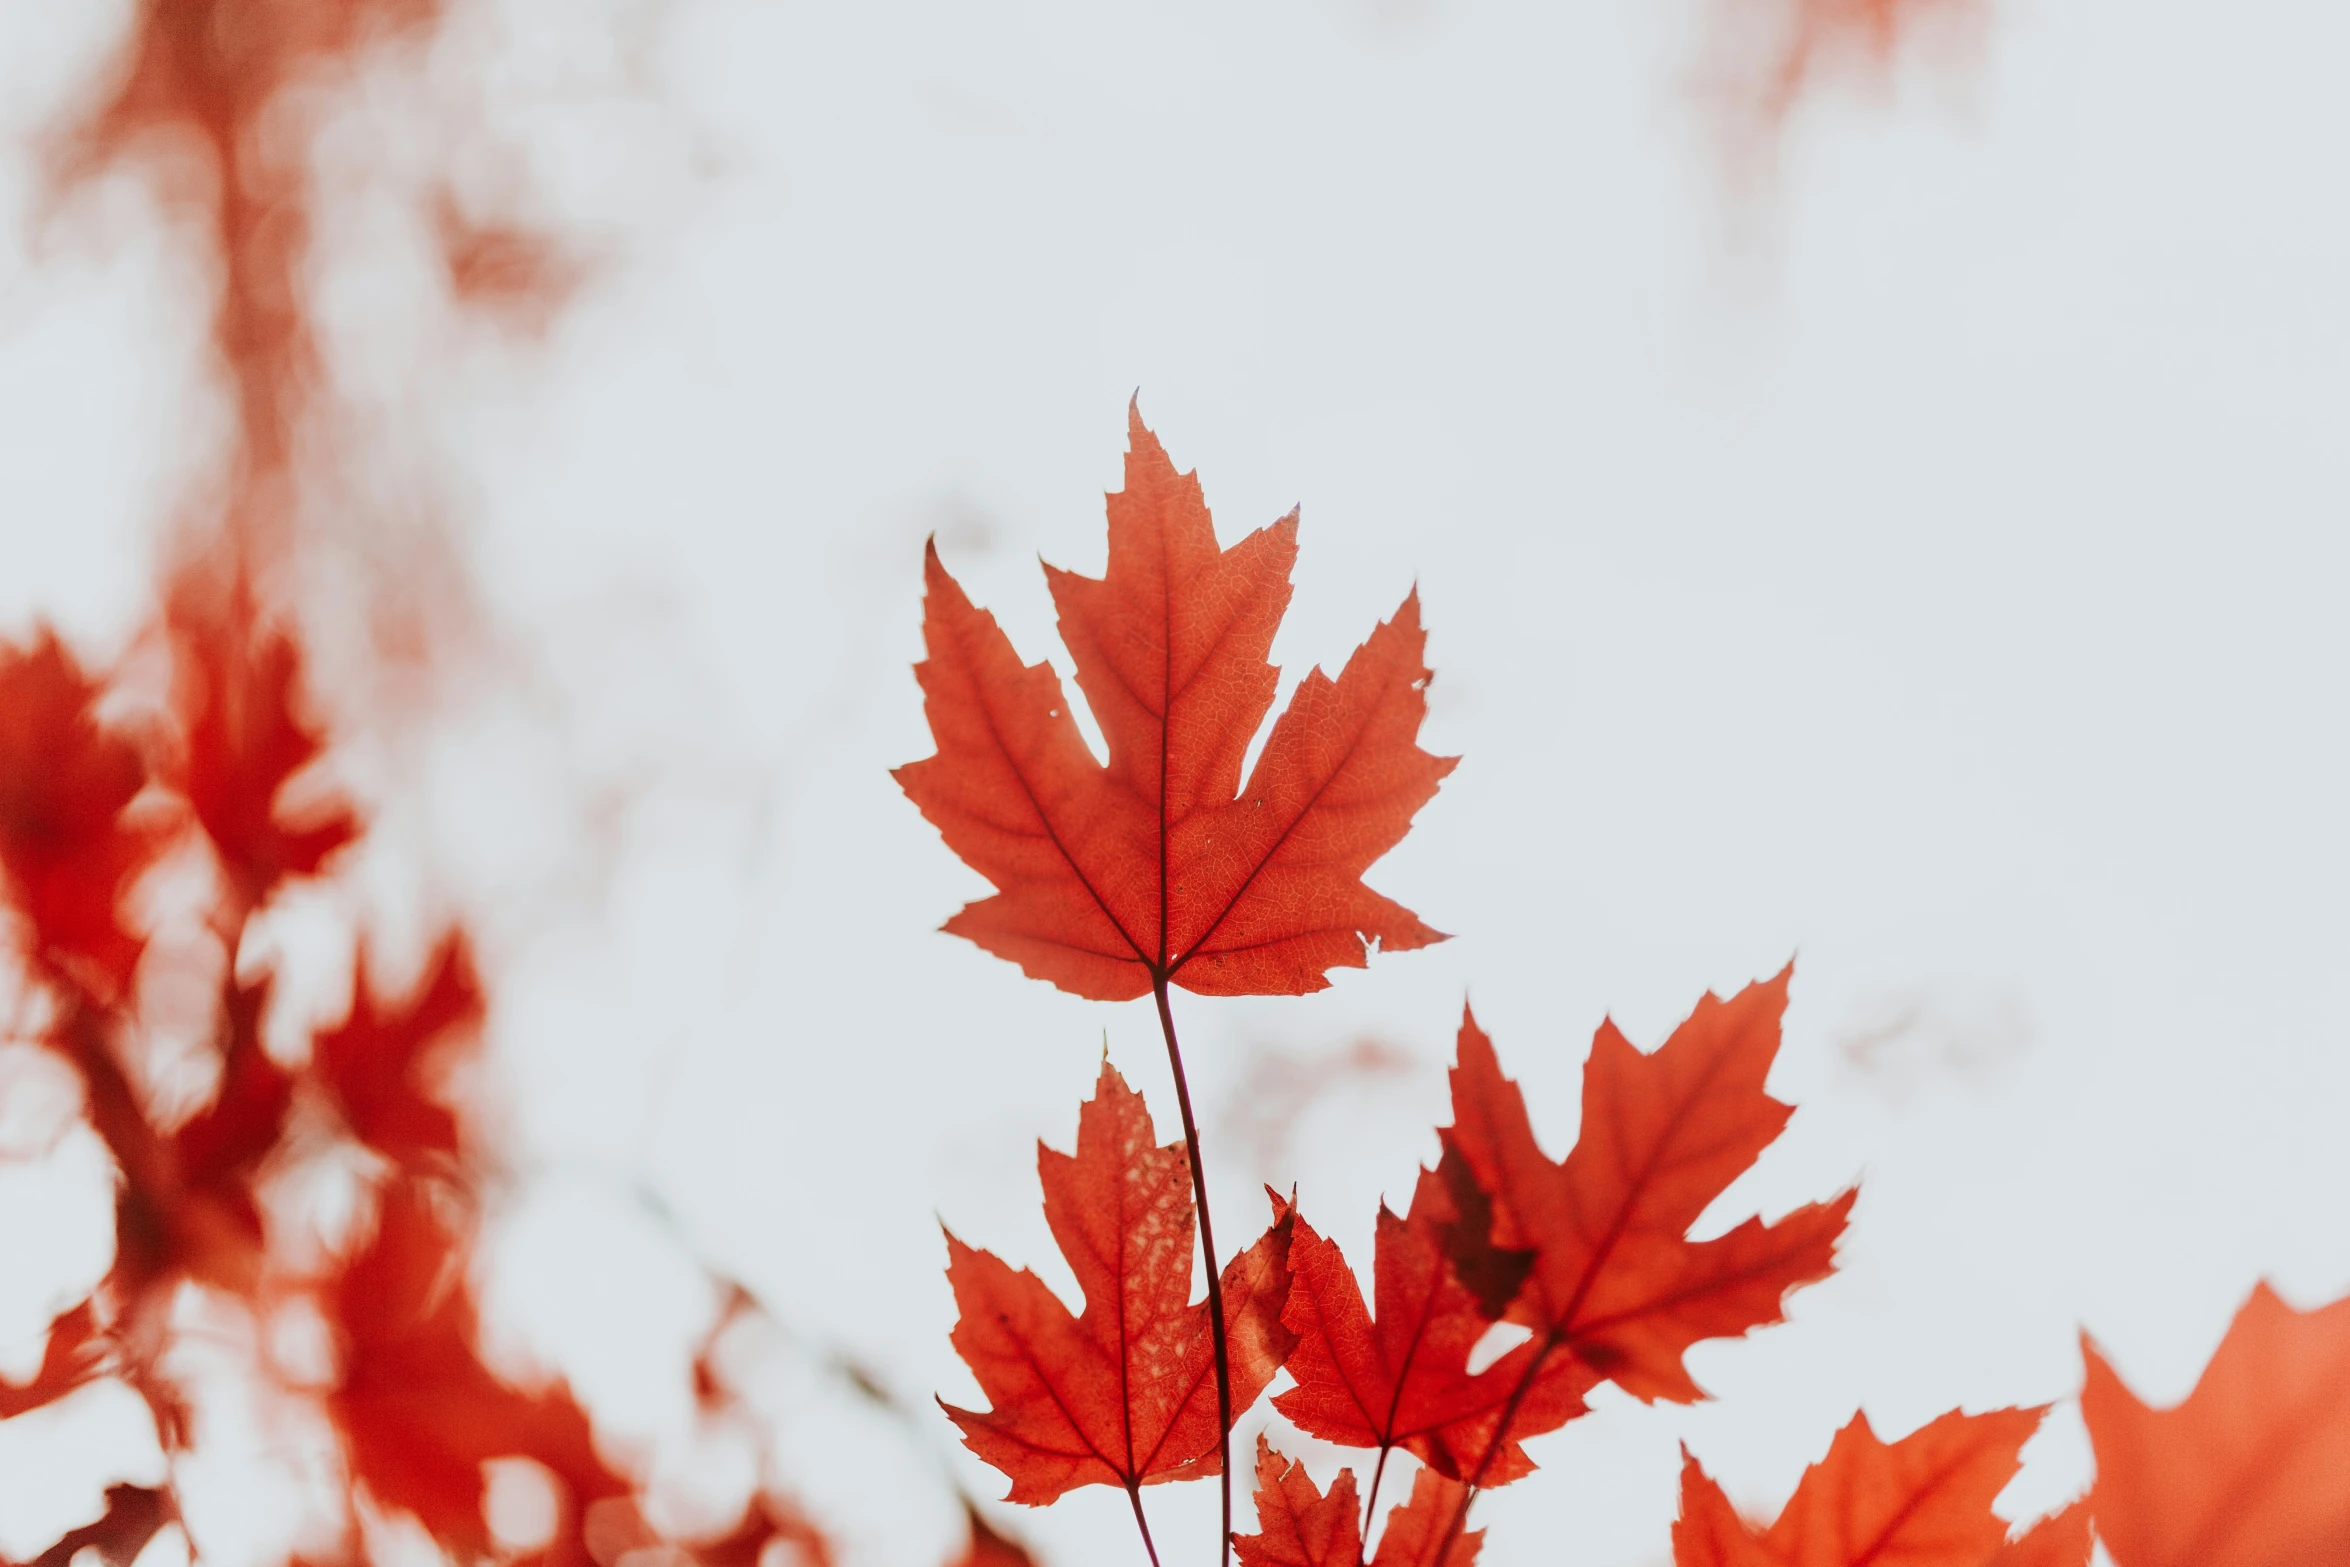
(1404, 1379)
(418, 1411)
(244, 742)
(1124, 1394)
(1425, 1530)
(65, 782)
(1924, 1501)
(1157, 866)
(2252, 1469)
(371, 1061)
(1298, 1525)
(1615, 1279)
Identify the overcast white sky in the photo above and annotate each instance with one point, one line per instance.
(1943, 584)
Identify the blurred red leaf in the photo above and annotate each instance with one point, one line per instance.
(184, 1205)
(1159, 866)
(64, 783)
(1924, 1501)
(1125, 1394)
(1616, 1280)
(238, 686)
(2253, 1469)
(371, 1061)
(209, 1225)
(419, 1412)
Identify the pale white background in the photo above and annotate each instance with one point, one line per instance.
(1931, 567)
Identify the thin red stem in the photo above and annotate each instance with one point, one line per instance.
(1371, 1502)
(1501, 1432)
(1207, 1241)
(1134, 1495)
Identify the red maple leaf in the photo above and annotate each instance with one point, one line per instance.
(1616, 1281)
(1124, 1394)
(2253, 1469)
(1425, 1531)
(1159, 866)
(1404, 1379)
(238, 681)
(1298, 1525)
(371, 1062)
(1924, 1501)
(418, 1411)
(64, 784)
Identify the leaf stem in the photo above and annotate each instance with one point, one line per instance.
(1501, 1432)
(1134, 1495)
(1371, 1503)
(1207, 1240)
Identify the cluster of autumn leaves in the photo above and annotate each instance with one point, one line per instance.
(150, 814)
(1158, 867)
(114, 790)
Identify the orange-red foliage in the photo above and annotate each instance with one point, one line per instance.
(87, 810)
(219, 103)
(1297, 1524)
(1615, 1280)
(1300, 1526)
(1404, 1379)
(1124, 1394)
(1425, 1531)
(371, 1062)
(1159, 866)
(420, 1414)
(1924, 1501)
(65, 786)
(246, 741)
(2253, 1469)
